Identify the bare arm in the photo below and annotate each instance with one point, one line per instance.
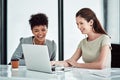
(98, 64)
(76, 55)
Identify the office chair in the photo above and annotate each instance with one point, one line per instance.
(115, 54)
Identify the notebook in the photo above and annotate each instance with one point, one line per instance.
(37, 58)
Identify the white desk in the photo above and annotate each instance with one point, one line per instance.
(6, 73)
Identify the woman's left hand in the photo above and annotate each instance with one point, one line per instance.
(72, 62)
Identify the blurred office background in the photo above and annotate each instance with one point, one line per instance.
(14, 16)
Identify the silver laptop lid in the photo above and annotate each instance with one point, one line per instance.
(37, 57)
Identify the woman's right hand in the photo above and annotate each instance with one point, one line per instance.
(61, 63)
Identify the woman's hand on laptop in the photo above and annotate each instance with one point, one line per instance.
(60, 63)
(52, 63)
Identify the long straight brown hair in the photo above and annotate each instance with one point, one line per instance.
(88, 15)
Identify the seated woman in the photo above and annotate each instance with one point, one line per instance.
(95, 49)
(39, 28)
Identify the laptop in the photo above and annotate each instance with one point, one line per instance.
(37, 58)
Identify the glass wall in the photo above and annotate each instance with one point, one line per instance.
(18, 14)
(72, 35)
(114, 20)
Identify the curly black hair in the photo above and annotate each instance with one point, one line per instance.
(38, 19)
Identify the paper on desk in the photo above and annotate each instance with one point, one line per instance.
(101, 73)
(105, 73)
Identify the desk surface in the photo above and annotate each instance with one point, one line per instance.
(6, 73)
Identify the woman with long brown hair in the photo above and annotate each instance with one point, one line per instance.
(95, 49)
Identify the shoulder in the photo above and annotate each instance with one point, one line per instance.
(104, 36)
(50, 42)
(51, 45)
(82, 42)
(106, 40)
(26, 39)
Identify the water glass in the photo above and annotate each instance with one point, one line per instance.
(59, 71)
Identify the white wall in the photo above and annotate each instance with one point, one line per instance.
(73, 35)
(19, 12)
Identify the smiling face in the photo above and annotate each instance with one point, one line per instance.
(84, 26)
(40, 32)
